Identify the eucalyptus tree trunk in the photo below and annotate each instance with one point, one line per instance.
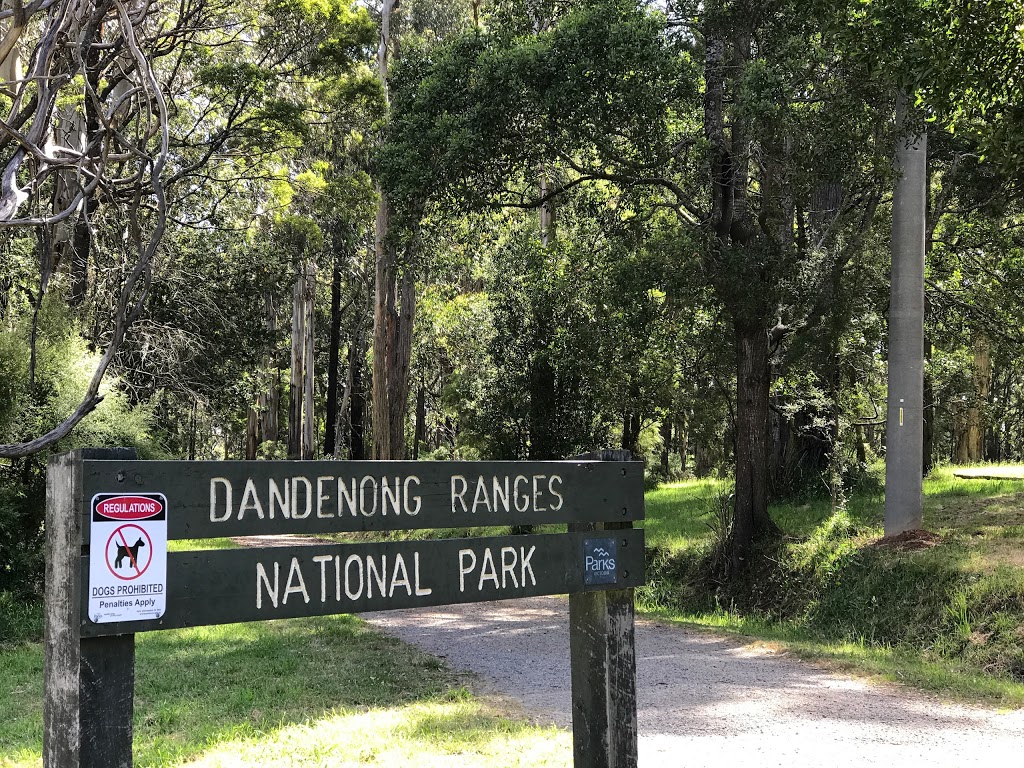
(308, 366)
(971, 437)
(295, 374)
(269, 401)
(752, 389)
(300, 386)
(357, 351)
(331, 442)
(666, 443)
(905, 413)
(394, 298)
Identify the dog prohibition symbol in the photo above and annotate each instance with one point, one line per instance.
(132, 553)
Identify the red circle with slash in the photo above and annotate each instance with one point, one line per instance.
(122, 551)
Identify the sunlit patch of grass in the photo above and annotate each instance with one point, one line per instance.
(190, 545)
(433, 733)
(942, 481)
(323, 691)
(677, 513)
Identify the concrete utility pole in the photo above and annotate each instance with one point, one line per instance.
(904, 434)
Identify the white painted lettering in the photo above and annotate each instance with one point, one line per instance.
(277, 500)
(261, 577)
(323, 560)
(295, 585)
(321, 497)
(215, 517)
(337, 578)
(348, 493)
(380, 575)
(551, 487)
(387, 495)
(465, 570)
(459, 494)
(308, 509)
(362, 496)
(420, 591)
(405, 489)
(516, 493)
(524, 559)
(400, 582)
(536, 494)
(487, 570)
(508, 567)
(481, 496)
(501, 494)
(250, 500)
(358, 561)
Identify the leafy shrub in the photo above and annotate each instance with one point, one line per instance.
(63, 367)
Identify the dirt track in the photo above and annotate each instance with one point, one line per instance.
(710, 701)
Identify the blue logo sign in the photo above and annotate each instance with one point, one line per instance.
(600, 558)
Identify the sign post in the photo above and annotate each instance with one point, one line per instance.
(89, 682)
(602, 644)
(110, 575)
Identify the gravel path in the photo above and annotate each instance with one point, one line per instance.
(710, 701)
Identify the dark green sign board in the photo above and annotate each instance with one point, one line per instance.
(257, 584)
(208, 499)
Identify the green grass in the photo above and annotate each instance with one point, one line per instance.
(311, 692)
(190, 545)
(948, 618)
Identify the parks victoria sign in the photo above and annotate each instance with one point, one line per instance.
(131, 509)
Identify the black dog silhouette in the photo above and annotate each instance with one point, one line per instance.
(123, 552)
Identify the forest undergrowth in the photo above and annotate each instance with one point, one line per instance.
(942, 609)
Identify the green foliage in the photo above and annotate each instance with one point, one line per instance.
(540, 389)
(489, 107)
(63, 367)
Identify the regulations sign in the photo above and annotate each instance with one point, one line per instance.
(128, 557)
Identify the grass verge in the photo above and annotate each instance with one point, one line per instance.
(310, 692)
(947, 617)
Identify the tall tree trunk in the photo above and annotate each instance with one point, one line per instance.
(928, 428)
(862, 445)
(298, 350)
(977, 411)
(308, 364)
(682, 442)
(382, 320)
(333, 352)
(752, 384)
(357, 352)
(252, 429)
(666, 443)
(394, 298)
(420, 433)
(904, 418)
(269, 403)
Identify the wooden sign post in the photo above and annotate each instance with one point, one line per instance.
(109, 574)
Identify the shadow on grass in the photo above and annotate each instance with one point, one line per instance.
(196, 688)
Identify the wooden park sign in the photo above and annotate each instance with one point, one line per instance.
(109, 574)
